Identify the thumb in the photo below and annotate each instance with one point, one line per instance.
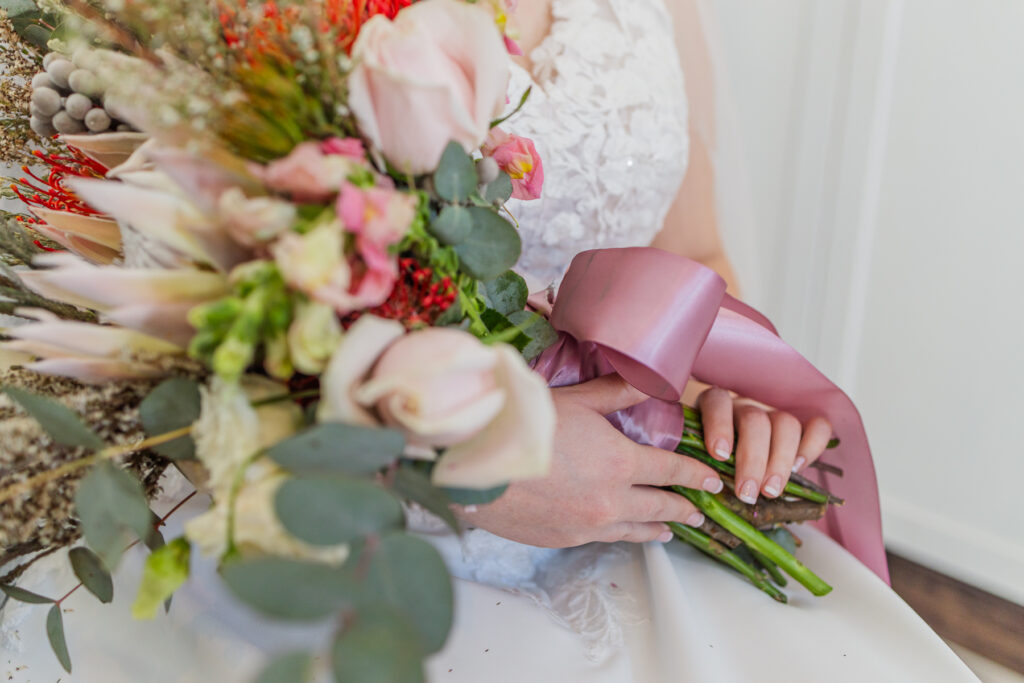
(606, 394)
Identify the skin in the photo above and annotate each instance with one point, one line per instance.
(603, 487)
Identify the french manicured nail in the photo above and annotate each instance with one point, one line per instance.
(665, 537)
(748, 492)
(774, 486)
(712, 485)
(722, 449)
(696, 519)
(799, 463)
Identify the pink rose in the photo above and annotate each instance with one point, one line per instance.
(346, 147)
(308, 173)
(443, 388)
(517, 157)
(438, 72)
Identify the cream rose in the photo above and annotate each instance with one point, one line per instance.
(438, 72)
(444, 389)
(229, 431)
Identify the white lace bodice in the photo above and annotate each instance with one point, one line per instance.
(608, 114)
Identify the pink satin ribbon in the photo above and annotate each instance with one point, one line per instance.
(657, 319)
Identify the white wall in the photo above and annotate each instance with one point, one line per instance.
(886, 149)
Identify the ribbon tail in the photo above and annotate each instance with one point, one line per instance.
(748, 358)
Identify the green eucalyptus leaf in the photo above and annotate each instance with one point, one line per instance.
(291, 589)
(22, 595)
(492, 247)
(336, 448)
(455, 178)
(166, 570)
(294, 667)
(174, 404)
(330, 511)
(474, 496)
(507, 293)
(112, 507)
(55, 633)
(154, 540)
(379, 646)
(92, 573)
(499, 191)
(452, 225)
(415, 486)
(56, 419)
(537, 329)
(783, 537)
(408, 573)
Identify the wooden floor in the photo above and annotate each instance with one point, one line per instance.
(979, 621)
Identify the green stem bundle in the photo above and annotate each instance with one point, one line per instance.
(754, 539)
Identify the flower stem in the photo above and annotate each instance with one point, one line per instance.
(755, 540)
(75, 465)
(713, 548)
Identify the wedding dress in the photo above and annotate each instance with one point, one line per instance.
(609, 115)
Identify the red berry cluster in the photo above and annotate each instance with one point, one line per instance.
(417, 299)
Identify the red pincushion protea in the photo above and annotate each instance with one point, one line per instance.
(49, 192)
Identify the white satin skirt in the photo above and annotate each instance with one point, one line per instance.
(686, 619)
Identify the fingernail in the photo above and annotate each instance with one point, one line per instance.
(712, 485)
(748, 492)
(665, 537)
(722, 449)
(774, 486)
(799, 463)
(696, 519)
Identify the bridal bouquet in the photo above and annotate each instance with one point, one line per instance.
(274, 248)
(270, 246)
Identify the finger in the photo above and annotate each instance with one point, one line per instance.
(752, 447)
(636, 532)
(605, 394)
(816, 436)
(649, 504)
(785, 441)
(652, 466)
(716, 414)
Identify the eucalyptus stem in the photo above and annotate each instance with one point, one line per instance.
(716, 550)
(755, 540)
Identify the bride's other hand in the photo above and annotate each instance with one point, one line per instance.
(770, 444)
(602, 486)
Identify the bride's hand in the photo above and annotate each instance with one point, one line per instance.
(602, 486)
(771, 444)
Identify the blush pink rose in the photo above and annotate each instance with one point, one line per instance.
(443, 388)
(379, 217)
(438, 72)
(346, 147)
(308, 173)
(517, 156)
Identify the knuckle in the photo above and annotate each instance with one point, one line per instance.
(599, 511)
(751, 417)
(784, 420)
(618, 465)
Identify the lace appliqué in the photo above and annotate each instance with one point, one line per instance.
(571, 584)
(608, 113)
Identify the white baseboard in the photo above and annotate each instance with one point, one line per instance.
(965, 552)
